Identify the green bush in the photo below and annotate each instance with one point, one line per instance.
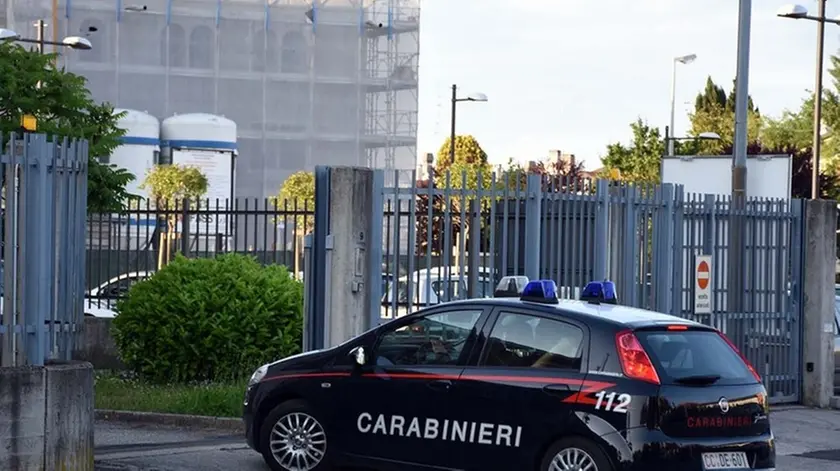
(209, 319)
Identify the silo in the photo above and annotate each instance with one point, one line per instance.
(207, 142)
(140, 147)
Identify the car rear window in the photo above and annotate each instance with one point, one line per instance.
(680, 355)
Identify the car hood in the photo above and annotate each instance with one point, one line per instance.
(301, 361)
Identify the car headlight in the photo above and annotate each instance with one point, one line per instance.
(258, 375)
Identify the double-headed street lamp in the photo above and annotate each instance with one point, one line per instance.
(455, 100)
(73, 42)
(798, 12)
(687, 59)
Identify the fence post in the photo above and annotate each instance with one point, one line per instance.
(666, 266)
(185, 227)
(818, 312)
(602, 222)
(374, 267)
(533, 216)
(347, 315)
(627, 270)
(317, 292)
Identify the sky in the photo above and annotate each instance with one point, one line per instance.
(573, 74)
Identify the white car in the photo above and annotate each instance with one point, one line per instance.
(105, 295)
(427, 289)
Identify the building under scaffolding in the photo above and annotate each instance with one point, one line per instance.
(330, 82)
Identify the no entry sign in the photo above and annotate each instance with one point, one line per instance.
(703, 284)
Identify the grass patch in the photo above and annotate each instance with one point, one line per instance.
(217, 400)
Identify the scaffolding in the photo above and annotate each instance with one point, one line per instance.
(324, 82)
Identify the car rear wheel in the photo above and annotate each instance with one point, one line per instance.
(574, 454)
(294, 439)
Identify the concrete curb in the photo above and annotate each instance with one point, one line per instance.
(227, 424)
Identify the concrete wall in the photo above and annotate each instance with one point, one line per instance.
(46, 417)
(97, 346)
(818, 302)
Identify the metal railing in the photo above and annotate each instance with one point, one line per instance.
(126, 247)
(44, 203)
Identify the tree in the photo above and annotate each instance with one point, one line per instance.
(467, 150)
(638, 162)
(31, 85)
(469, 172)
(558, 175)
(298, 194)
(169, 185)
(714, 111)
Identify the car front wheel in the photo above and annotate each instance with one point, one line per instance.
(294, 439)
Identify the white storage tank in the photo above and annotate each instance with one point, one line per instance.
(140, 147)
(207, 142)
(199, 131)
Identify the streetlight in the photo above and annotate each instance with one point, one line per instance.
(703, 136)
(687, 59)
(73, 42)
(455, 100)
(798, 12)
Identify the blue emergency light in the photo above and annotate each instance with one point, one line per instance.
(540, 291)
(597, 292)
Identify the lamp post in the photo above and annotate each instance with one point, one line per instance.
(703, 136)
(798, 12)
(455, 100)
(73, 42)
(687, 59)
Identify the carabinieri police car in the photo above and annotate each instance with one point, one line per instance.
(530, 383)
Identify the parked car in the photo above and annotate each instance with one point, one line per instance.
(91, 309)
(105, 295)
(427, 289)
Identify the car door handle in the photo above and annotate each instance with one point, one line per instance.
(556, 389)
(440, 385)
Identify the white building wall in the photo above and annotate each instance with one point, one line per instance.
(342, 91)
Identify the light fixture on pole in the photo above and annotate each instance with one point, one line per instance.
(455, 100)
(798, 12)
(703, 136)
(687, 59)
(73, 42)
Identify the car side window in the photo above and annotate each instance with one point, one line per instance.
(432, 340)
(523, 341)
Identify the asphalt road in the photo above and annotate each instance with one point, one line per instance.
(807, 440)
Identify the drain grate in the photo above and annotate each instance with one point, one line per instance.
(827, 455)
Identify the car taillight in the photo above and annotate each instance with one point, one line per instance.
(635, 362)
(746, 362)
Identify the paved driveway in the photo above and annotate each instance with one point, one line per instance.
(807, 440)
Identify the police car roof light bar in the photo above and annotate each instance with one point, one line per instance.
(598, 292)
(540, 291)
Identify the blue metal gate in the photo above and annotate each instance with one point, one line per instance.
(456, 240)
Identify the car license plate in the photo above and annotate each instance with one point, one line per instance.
(726, 460)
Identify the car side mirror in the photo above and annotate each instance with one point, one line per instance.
(358, 355)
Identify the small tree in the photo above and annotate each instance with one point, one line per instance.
(298, 192)
(167, 186)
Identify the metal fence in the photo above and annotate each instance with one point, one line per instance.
(44, 204)
(458, 239)
(127, 247)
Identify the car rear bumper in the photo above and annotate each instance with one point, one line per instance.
(651, 449)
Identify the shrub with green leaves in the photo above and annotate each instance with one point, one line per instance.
(209, 319)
